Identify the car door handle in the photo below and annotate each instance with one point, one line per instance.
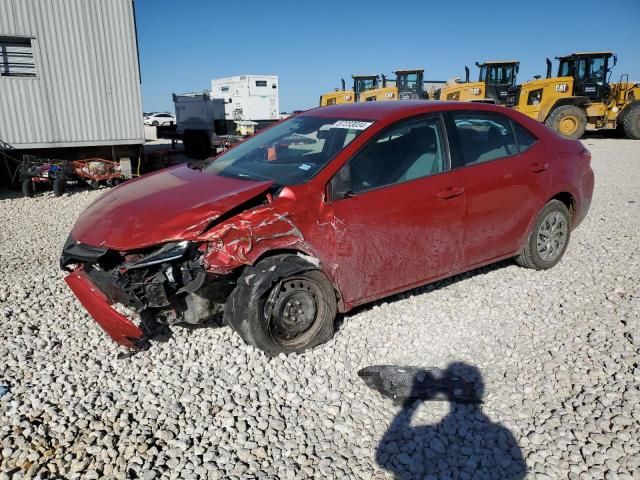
(450, 192)
(538, 167)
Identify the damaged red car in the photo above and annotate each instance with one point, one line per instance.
(325, 211)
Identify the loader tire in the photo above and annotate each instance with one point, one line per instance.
(631, 122)
(570, 121)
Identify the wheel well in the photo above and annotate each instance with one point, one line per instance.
(279, 251)
(568, 200)
(292, 251)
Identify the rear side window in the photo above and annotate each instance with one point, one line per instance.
(523, 137)
(484, 137)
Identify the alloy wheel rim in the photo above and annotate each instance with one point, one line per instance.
(552, 236)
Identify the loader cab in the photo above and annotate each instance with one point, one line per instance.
(590, 73)
(362, 83)
(498, 78)
(410, 84)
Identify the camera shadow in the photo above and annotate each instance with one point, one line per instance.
(465, 444)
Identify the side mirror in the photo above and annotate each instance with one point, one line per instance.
(340, 185)
(615, 60)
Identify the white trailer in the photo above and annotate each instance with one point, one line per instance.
(248, 97)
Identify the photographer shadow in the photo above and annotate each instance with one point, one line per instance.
(465, 444)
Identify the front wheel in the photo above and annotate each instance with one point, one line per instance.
(548, 238)
(570, 121)
(295, 314)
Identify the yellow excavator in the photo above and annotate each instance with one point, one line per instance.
(408, 85)
(361, 83)
(494, 82)
(581, 95)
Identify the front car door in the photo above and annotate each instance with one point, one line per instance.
(399, 209)
(504, 171)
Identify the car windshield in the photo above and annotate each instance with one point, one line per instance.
(288, 153)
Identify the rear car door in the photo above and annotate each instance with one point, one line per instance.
(504, 171)
(399, 211)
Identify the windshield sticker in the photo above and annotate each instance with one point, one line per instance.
(304, 166)
(351, 124)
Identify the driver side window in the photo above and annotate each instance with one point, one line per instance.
(405, 152)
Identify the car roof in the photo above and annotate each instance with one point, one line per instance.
(381, 110)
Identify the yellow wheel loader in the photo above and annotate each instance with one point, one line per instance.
(408, 85)
(361, 83)
(581, 95)
(494, 82)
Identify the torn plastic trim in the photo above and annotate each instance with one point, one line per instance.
(401, 384)
(76, 252)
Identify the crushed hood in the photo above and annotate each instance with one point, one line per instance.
(173, 204)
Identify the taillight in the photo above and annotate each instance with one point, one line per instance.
(585, 155)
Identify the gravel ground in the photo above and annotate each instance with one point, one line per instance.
(558, 353)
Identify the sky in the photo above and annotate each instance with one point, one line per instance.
(311, 45)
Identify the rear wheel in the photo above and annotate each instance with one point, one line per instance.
(27, 188)
(569, 121)
(548, 238)
(631, 122)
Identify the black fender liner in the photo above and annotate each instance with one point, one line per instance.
(255, 281)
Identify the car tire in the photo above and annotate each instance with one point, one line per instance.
(94, 184)
(58, 186)
(631, 122)
(570, 121)
(27, 188)
(548, 239)
(274, 323)
(155, 123)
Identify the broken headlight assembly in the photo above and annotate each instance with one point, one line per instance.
(167, 253)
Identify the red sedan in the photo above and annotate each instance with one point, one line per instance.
(327, 210)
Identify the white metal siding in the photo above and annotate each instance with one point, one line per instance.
(87, 86)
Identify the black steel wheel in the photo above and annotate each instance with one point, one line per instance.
(295, 313)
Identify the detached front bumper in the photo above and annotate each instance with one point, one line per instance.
(117, 326)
